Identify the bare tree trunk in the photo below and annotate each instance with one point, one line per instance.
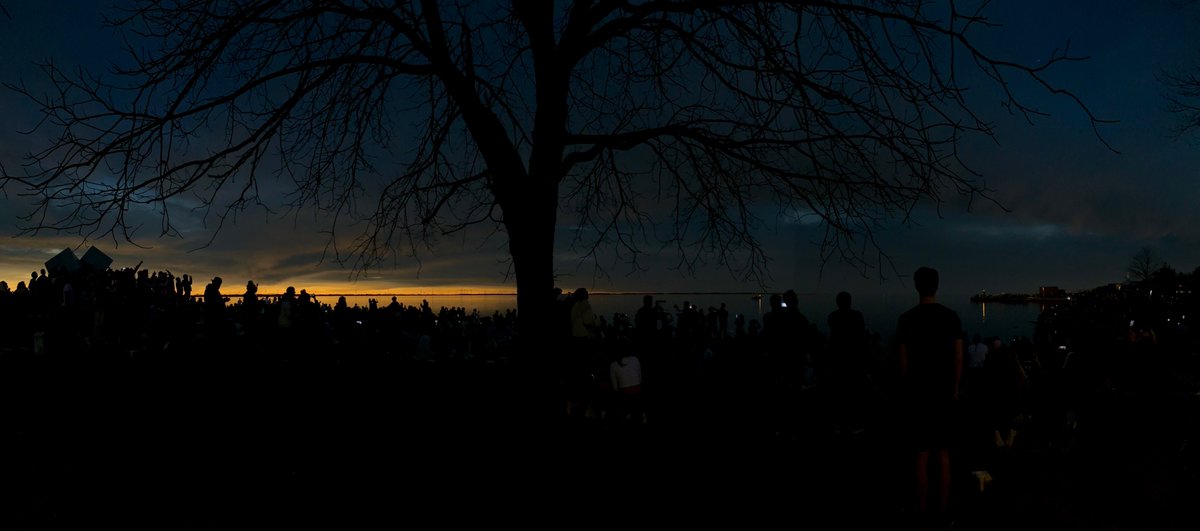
(530, 218)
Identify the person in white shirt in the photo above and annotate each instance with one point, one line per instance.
(973, 376)
(625, 375)
(976, 353)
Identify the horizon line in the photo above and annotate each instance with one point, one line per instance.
(506, 294)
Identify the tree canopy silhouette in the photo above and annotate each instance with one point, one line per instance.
(1183, 98)
(1144, 264)
(1183, 89)
(407, 121)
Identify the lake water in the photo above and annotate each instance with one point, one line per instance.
(880, 311)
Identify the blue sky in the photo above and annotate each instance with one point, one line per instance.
(1077, 211)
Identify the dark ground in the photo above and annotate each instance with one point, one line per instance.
(215, 446)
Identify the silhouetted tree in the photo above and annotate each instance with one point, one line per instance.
(1183, 91)
(1165, 275)
(1144, 264)
(1183, 98)
(407, 121)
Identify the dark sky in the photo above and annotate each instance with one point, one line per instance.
(1077, 210)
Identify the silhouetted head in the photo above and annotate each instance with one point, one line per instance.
(776, 302)
(843, 300)
(289, 291)
(926, 280)
(791, 299)
(581, 294)
(216, 281)
(648, 301)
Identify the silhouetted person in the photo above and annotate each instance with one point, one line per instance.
(930, 349)
(250, 297)
(848, 359)
(691, 322)
(625, 377)
(782, 332)
(287, 310)
(6, 314)
(722, 322)
(974, 361)
(286, 318)
(214, 306)
(307, 316)
(645, 321)
(212, 294)
(772, 324)
(796, 336)
(583, 319)
(1004, 380)
(847, 328)
(251, 307)
(35, 288)
(580, 353)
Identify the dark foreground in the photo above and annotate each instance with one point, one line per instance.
(140, 444)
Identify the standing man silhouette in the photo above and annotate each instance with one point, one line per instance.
(848, 362)
(214, 305)
(930, 363)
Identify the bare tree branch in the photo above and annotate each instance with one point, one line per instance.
(677, 123)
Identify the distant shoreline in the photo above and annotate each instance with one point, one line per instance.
(1014, 298)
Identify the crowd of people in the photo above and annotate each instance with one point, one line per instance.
(1115, 370)
(128, 313)
(932, 385)
(102, 315)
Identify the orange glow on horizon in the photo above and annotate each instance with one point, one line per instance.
(235, 285)
(351, 289)
(348, 289)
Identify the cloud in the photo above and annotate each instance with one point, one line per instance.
(1000, 231)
